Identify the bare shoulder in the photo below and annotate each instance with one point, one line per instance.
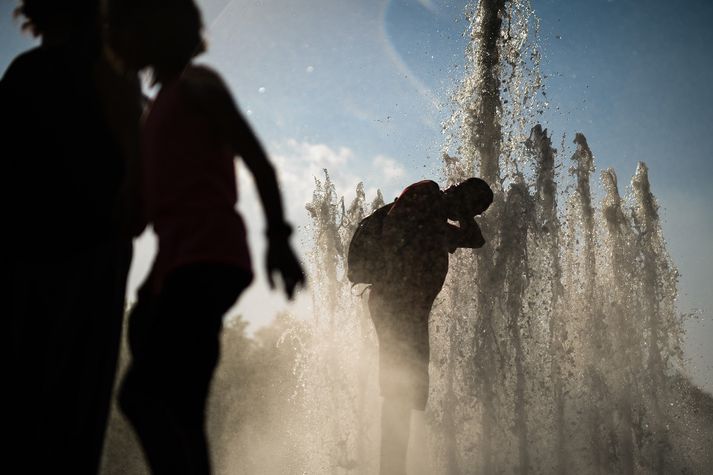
(203, 82)
(199, 75)
(207, 93)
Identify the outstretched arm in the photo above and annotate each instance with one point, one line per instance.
(280, 257)
(214, 95)
(249, 148)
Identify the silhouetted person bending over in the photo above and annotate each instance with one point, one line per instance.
(65, 148)
(189, 140)
(416, 239)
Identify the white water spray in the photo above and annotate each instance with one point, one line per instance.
(556, 348)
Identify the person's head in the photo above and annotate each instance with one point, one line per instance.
(164, 35)
(51, 19)
(468, 198)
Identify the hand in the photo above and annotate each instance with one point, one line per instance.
(280, 258)
(470, 234)
(466, 222)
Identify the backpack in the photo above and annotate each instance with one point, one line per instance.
(366, 259)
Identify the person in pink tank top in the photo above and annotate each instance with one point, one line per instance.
(190, 137)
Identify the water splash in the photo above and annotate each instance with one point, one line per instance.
(554, 349)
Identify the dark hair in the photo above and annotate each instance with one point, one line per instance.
(41, 15)
(169, 31)
(474, 190)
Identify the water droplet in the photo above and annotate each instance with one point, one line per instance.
(261, 90)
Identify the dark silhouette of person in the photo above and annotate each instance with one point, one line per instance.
(417, 239)
(189, 140)
(67, 242)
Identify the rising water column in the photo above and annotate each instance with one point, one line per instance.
(654, 302)
(481, 137)
(547, 240)
(626, 351)
(594, 335)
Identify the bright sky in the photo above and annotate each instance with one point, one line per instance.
(361, 88)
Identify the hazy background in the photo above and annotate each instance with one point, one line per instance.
(361, 88)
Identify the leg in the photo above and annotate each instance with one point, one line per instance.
(101, 352)
(417, 461)
(402, 330)
(29, 313)
(396, 406)
(69, 334)
(175, 348)
(395, 426)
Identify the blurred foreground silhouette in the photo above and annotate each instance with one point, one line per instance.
(191, 134)
(67, 146)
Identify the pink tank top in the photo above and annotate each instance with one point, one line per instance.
(189, 188)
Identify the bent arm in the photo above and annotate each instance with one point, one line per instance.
(468, 235)
(280, 257)
(210, 94)
(249, 148)
(213, 98)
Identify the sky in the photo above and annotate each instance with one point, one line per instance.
(361, 88)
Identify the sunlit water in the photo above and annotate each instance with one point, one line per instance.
(556, 348)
